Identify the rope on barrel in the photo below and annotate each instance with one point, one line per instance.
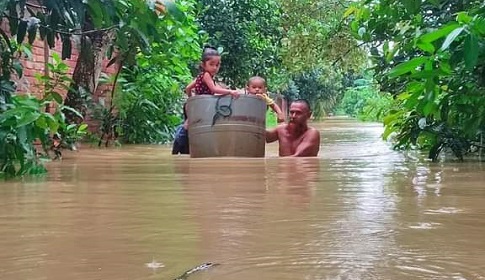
(222, 110)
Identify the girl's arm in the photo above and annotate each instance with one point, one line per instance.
(217, 89)
(189, 88)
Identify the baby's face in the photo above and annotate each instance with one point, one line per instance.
(256, 87)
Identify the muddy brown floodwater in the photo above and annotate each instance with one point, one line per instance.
(358, 211)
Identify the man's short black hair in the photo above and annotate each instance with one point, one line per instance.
(301, 100)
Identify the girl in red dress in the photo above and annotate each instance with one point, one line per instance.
(204, 82)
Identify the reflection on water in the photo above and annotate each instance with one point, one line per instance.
(358, 211)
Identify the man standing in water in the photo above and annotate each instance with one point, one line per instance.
(296, 138)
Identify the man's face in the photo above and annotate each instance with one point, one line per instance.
(299, 113)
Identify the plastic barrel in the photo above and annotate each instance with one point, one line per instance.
(221, 126)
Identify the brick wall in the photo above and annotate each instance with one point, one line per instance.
(34, 65)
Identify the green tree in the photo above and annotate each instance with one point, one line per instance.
(315, 34)
(249, 33)
(104, 27)
(322, 87)
(149, 96)
(364, 100)
(429, 54)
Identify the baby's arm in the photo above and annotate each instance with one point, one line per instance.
(279, 113)
(270, 102)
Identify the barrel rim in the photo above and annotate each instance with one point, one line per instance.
(203, 96)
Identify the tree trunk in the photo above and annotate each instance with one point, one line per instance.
(86, 73)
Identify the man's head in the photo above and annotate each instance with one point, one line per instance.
(300, 112)
(256, 85)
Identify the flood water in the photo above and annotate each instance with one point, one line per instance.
(359, 211)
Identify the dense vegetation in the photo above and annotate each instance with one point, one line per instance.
(429, 56)
(426, 60)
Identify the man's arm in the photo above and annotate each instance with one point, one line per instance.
(310, 146)
(271, 135)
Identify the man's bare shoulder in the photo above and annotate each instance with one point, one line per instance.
(313, 130)
(313, 133)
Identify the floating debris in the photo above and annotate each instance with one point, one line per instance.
(203, 266)
(154, 264)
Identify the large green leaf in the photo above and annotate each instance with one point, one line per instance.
(12, 12)
(96, 11)
(451, 37)
(407, 66)
(21, 31)
(479, 25)
(471, 51)
(51, 122)
(72, 111)
(439, 33)
(27, 118)
(426, 46)
(66, 47)
(32, 33)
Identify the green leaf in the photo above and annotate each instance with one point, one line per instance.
(66, 47)
(430, 108)
(471, 51)
(390, 54)
(451, 37)
(57, 97)
(27, 51)
(479, 25)
(463, 17)
(82, 127)
(143, 41)
(22, 30)
(51, 122)
(42, 32)
(17, 66)
(27, 118)
(439, 33)
(426, 46)
(445, 67)
(13, 23)
(354, 26)
(32, 33)
(51, 39)
(350, 10)
(73, 111)
(96, 11)
(407, 66)
(173, 10)
(41, 122)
